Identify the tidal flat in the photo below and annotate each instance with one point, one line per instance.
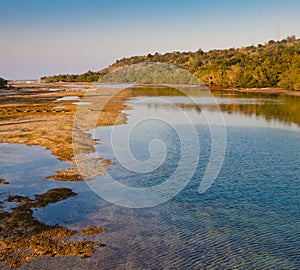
(55, 156)
(36, 116)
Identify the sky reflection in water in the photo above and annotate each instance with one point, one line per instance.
(248, 219)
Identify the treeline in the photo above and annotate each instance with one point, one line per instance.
(150, 73)
(273, 64)
(89, 76)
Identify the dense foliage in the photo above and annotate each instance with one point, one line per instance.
(89, 76)
(3, 83)
(150, 72)
(274, 64)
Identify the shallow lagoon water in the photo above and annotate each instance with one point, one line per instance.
(81, 103)
(25, 168)
(248, 219)
(67, 98)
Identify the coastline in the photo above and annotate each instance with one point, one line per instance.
(32, 115)
(68, 86)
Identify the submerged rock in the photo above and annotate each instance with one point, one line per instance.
(23, 238)
(3, 182)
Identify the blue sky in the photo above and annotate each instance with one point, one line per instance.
(43, 37)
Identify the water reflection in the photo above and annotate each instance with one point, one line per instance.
(248, 219)
(282, 108)
(25, 192)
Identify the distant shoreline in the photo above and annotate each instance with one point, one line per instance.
(267, 90)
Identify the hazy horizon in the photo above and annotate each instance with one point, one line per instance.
(46, 38)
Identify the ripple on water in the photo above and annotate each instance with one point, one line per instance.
(248, 219)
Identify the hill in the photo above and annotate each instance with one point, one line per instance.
(273, 64)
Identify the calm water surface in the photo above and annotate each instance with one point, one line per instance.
(248, 219)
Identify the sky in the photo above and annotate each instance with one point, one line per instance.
(46, 37)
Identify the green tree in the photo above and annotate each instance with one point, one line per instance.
(3, 83)
(273, 64)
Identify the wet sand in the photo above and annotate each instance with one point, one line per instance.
(31, 115)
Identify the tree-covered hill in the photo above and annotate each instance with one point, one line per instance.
(273, 64)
